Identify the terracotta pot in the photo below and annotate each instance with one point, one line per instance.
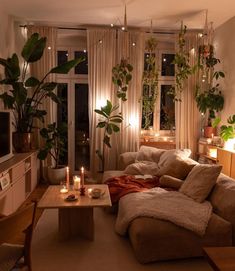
(208, 131)
(56, 175)
(22, 142)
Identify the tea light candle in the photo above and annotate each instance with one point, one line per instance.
(63, 190)
(67, 177)
(76, 182)
(89, 192)
(82, 176)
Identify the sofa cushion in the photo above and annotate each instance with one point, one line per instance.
(223, 199)
(147, 153)
(142, 168)
(157, 240)
(126, 159)
(176, 163)
(200, 181)
(169, 181)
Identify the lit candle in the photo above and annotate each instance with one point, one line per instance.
(212, 135)
(67, 177)
(89, 192)
(63, 190)
(76, 182)
(82, 176)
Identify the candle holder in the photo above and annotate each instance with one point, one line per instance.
(82, 191)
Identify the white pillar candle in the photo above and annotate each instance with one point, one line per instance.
(76, 182)
(82, 176)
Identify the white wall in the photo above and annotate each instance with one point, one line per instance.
(225, 50)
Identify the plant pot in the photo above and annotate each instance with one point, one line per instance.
(56, 175)
(22, 142)
(209, 131)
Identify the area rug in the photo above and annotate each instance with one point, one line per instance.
(108, 252)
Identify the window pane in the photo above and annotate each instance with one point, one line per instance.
(168, 69)
(62, 115)
(167, 117)
(82, 148)
(81, 68)
(62, 57)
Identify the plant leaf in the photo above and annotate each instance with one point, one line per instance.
(67, 66)
(32, 82)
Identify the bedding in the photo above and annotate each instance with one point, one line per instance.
(158, 203)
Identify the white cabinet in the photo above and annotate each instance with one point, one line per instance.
(23, 170)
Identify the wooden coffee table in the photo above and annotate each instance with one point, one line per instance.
(221, 258)
(75, 217)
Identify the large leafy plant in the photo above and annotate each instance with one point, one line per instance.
(228, 131)
(110, 121)
(25, 95)
(55, 141)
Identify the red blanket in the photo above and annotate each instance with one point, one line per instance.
(122, 185)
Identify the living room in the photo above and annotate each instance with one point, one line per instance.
(126, 80)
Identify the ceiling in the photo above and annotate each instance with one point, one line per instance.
(166, 14)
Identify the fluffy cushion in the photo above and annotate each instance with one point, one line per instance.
(169, 181)
(142, 168)
(200, 181)
(176, 163)
(149, 154)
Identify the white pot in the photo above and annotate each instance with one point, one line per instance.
(56, 175)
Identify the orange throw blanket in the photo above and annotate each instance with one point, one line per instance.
(122, 185)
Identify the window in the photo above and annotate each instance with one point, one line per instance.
(168, 68)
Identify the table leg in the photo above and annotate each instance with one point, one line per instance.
(76, 222)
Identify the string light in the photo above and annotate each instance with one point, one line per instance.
(112, 25)
(49, 47)
(100, 41)
(84, 50)
(133, 44)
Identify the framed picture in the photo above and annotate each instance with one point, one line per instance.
(5, 181)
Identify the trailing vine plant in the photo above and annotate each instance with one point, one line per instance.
(111, 119)
(150, 83)
(182, 66)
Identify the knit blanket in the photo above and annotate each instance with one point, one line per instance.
(158, 203)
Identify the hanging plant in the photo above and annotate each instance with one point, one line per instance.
(183, 68)
(121, 78)
(150, 84)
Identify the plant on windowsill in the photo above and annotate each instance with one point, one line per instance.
(111, 120)
(25, 95)
(150, 84)
(55, 140)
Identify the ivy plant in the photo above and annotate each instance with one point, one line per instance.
(121, 76)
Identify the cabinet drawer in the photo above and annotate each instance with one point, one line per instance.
(6, 202)
(18, 171)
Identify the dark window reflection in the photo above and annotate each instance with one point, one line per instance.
(168, 68)
(62, 57)
(167, 117)
(81, 68)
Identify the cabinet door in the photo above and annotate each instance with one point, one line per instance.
(6, 202)
(18, 192)
(34, 170)
(224, 159)
(232, 173)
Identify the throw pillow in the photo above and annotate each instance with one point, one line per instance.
(147, 153)
(169, 181)
(142, 168)
(176, 163)
(200, 181)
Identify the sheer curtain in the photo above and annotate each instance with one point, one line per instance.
(187, 115)
(101, 60)
(39, 69)
(131, 46)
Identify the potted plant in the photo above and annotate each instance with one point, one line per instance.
(25, 94)
(55, 140)
(227, 133)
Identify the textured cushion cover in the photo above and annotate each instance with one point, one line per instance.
(126, 159)
(147, 153)
(157, 240)
(169, 181)
(200, 181)
(142, 168)
(176, 163)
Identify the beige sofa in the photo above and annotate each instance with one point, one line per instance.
(155, 240)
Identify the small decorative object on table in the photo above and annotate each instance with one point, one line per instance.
(82, 189)
(76, 183)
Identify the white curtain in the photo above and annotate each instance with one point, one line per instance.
(187, 115)
(101, 60)
(131, 46)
